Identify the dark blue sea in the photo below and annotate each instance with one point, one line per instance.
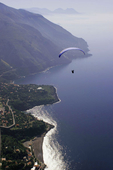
(83, 119)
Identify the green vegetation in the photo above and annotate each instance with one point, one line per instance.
(23, 97)
(13, 100)
(9, 147)
(26, 127)
(14, 154)
(27, 45)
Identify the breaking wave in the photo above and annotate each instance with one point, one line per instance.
(52, 151)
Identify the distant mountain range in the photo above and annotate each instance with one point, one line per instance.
(29, 43)
(45, 11)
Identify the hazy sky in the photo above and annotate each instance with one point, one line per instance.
(78, 5)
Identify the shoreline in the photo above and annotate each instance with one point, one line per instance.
(43, 71)
(37, 142)
(37, 146)
(59, 100)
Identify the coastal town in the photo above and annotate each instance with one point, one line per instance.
(17, 126)
(7, 121)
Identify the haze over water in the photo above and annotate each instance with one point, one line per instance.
(84, 117)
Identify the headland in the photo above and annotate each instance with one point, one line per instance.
(26, 128)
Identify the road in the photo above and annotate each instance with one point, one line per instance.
(8, 127)
(7, 72)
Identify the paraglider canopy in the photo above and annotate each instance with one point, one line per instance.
(70, 48)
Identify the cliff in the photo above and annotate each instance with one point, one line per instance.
(30, 43)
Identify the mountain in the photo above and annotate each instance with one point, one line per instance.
(66, 11)
(44, 11)
(30, 43)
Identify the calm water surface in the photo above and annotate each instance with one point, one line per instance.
(85, 114)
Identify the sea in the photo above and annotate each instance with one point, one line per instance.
(83, 118)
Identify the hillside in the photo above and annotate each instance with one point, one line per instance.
(30, 43)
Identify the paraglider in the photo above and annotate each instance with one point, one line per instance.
(70, 48)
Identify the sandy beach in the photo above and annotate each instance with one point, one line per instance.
(37, 147)
(37, 143)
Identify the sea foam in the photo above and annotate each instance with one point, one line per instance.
(52, 151)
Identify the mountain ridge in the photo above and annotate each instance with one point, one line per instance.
(45, 11)
(30, 43)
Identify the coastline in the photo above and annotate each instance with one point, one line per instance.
(59, 100)
(37, 146)
(43, 71)
(53, 157)
(37, 142)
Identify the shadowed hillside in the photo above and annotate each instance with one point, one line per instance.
(30, 43)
